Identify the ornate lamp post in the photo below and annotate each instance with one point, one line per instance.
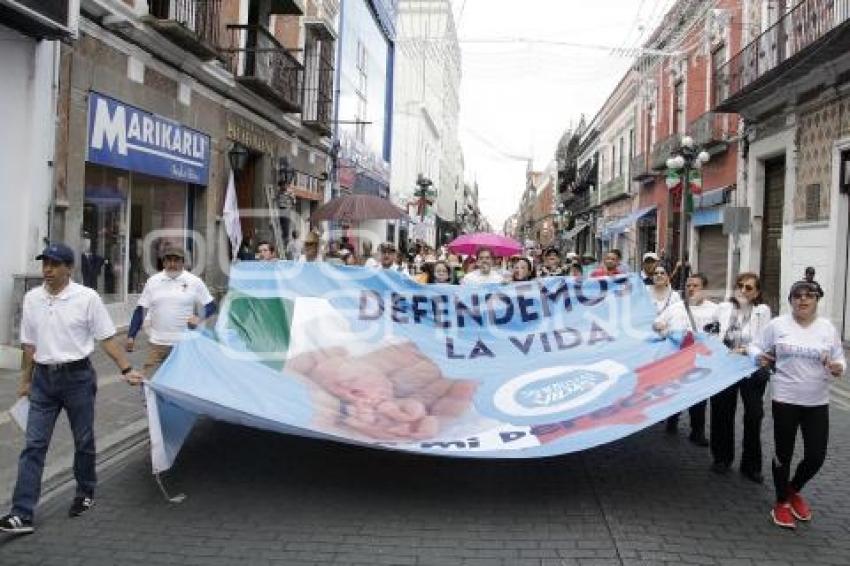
(687, 159)
(424, 193)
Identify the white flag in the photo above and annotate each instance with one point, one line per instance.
(232, 225)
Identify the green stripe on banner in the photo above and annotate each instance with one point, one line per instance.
(264, 324)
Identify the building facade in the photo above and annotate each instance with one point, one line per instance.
(159, 103)
(678, 85)
(427, 108)
(364, 113)
(31, 37)
(794, 171)
(617, 121)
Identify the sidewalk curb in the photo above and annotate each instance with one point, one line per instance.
(114, 448)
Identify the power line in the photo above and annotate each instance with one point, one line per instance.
(616, 51)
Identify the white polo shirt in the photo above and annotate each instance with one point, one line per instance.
(63, 327)
(172, 300)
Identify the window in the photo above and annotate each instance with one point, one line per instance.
(361, 91)
(719, 82)
(622, 156)
(651, 126)
(678, 126)
(119, 257)
(613, 160)
(813, 202)
(104, 229)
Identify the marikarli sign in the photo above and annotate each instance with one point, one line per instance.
(125, 137)
(370, 357)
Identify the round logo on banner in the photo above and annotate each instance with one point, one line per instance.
(558, 392)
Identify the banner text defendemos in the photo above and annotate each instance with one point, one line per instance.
(519, 304)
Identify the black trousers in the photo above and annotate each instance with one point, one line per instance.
(697, 416)
(813, 422)
(723, 408)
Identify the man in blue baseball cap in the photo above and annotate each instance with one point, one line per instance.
(61, 321)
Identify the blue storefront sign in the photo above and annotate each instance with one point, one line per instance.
(126, 137)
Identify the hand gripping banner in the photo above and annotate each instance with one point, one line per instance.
(369, 357)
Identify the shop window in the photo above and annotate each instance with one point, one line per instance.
(128, 219)
(104, 231)
(157, 220)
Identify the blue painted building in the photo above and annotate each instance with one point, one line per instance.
(364, 95)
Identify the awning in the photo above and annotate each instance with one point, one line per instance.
(579, 226)
(713, 197)
(619, 226)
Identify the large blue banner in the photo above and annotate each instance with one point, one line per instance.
(125, 137)
(535, 369)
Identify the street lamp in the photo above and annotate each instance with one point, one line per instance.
(686, 160)
(238, 157)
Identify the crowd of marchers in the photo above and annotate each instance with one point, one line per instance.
(799, 354)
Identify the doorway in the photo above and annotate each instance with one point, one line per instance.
(771, 241)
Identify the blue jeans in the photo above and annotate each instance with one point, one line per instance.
(51, 391)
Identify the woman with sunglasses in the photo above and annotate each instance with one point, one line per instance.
(808, 355)
(742, 320)
(662, 294)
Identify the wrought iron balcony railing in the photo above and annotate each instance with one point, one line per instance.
(194, 25)
(662, 150)
(791, 36)
(640, 168)
(712, 129)
(318, 89)
(262, 64)
(613, 189)
(584, 201)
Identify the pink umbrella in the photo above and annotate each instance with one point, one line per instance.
(469, 244)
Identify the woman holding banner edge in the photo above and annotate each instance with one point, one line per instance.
(742, 319)
(807, 353)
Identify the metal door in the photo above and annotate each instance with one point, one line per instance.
(771, 241)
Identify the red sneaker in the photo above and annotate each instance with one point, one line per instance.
(782, 515)
(799, 507)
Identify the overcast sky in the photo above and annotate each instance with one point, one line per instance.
(518, 98)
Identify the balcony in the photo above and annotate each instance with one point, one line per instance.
(42, 19)
(194, 25)
(287, 7)
(613, 190)
(810, 34)
(710, 130)
(583, 202)
(264, 66)
(318, 85)
(662, 151)
(640, 169)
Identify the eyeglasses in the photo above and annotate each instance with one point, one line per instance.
(746, 288)
(804, 295)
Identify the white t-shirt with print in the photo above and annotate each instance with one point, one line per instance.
(801, 376)
(172, 300)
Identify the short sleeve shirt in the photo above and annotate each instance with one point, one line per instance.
(171, 301)
(63, 327)
(477, 278)
(801, 377)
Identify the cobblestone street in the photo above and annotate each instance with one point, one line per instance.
(260, 498)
